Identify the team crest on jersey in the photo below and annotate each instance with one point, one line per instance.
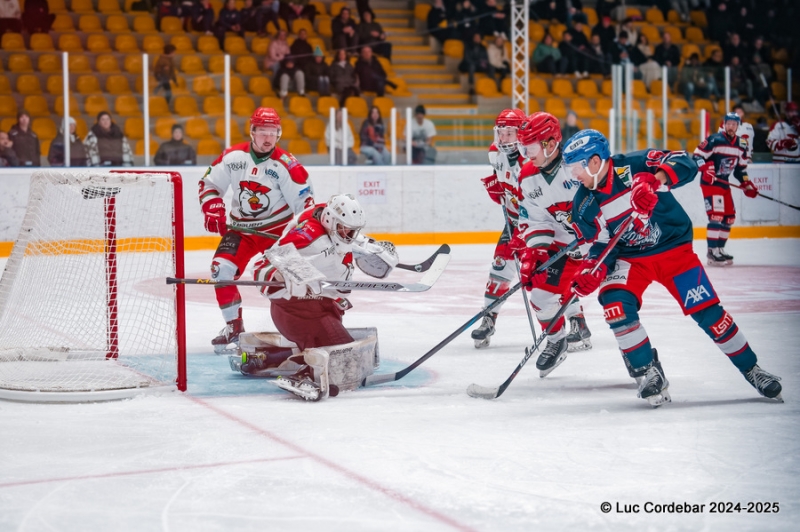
(561, 211)
(643, 238)
(694, 288)
(727, 165)
(624, 174)
(253, 198)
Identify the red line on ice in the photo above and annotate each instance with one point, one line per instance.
(336, 467)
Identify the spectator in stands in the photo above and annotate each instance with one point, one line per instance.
(716, 68)
(362, 6)
(693, 81)
(290, 75)
(569, 54)
(203, 17)
(373, 143)
(745, 25)
(175, 152)
(371, 75)
(467, 21)
(300, 50)
(436, 16)
(628, 27)
(229, 20)
(165, 72)
(36, 16)
(741, 85)
(606, 7)
(266, 12)
(344, 31)
(580, 44)
(763, 49)
(343, 77)
(735, 47)
(720, 23)
(621, 52)
(476, 59)
(10, 17)
(371, 33)
(550, 10)
(106, 145)
(756, 69)
(642, 58)
(277, 51)
(422, 133)
(493, 21)
(667, 54)
(26, 142)
(598, 60)
(499, 59)
(571, 125)
(186, 9)
(318, 74)
(7, 155)
(291, 10)
(607, 33)
(77, 151)
(337, 140)
(166, 8)
(249, 15)
(547, 59)
(682, 8)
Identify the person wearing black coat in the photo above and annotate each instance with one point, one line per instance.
(175, 152)
(318, 74)
(345, 34)
(77, 151)
(229, 20)
(370, 73)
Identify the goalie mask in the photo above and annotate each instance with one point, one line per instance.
(343, 218)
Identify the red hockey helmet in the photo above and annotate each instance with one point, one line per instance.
(791, 107)
(536, 133)
(265, 117)
(505, 129)
(510, 118)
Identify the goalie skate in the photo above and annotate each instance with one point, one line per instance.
(302, 386)
(766, 383)
(552, 356)
(482, 335)
(579, 335)
(228, 340)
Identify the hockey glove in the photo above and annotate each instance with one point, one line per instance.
(643, 200)
(749, 189)
(529, 261)
(517, 245)
(214, 211)
(494, 189)
(707, 173)
(585, 282)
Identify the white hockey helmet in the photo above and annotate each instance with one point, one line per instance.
(343, 218)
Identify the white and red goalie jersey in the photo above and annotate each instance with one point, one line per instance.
(784, 142)
(267, 191)
(507, 176)
(545, 211)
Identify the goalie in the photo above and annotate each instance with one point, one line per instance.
(328, 240)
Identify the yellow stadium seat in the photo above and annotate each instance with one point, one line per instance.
(126, 44)
(144, 24)
(139, 149)
(260, 86)
(314, 128)
(289, 129)
(247, 66)
(591, 15)
(654, 16)
(107, 64)
(678, 105)
(652, 34)
(599, 125)
(208, 147)
(356, 107)
(237, 87)
(118, 84)
(63, 22)
(322, 148)
(236, 133)
(385, 105)
(45, 128)
(562, 88)
(243, 106)
(88, 84)
(28, 84)
(89, 24)
(336, 8)
(505, 86)
(192, 65)
(171, 25)
(69, 42)
(556, 107)
(133, 64)
(186, 106)
(235, 45)
(587, 88)
(117, 24)
(20, 63)
(538, 87)
(56, 6)
(695, 35)
(324, 26)
(164, 127)
(98, 44)
(582, 108)
(274, 103)
(557, 31)
(74, 108)
(778, 90)
(301, 106)
(42, 42)
(674, 145)
(182, 43)
(316, 42)
(5, 85)
(197, 128)
(204, 86)
(79, 64)
(453, 48)
(300, 147)
(8, 107)
(321, 10)
(698, 18)
(216, 64)
(108, 6)
(535, 32)
(708, 50)
(324, 103)
(159, 107)
(12, 42)
(49, 63)
(127, 106)
(303, 24)
(36, 105)
(703, 103)
(55, 84)
(656, 86)
(487, 88)
(606, 87)
(675, 33)
(95, 104)
(213, 105)
(81, 6)
(259, 45)
(673, 17)
(533, 106)
(421, 11)
(655, 105)
(208, 44)
(639, 89)
(153, 44)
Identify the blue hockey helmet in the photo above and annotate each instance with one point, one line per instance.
(581, 147)
(732, 116)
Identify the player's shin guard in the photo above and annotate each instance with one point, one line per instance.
(721, 328)
(228, 297)
(620, 309)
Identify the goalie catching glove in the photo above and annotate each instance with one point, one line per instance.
(376, 258)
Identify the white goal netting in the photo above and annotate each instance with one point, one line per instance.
(85, 312)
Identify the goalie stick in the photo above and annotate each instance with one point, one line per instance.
(484, 392)
(432, 275)
(390, 377)
(734, 185)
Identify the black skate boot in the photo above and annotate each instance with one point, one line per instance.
(766, 383)
(715, 258)
(227, 336)
(552, 356)
(579, 334)
(724, 255)
(653, 384)
(484, 331)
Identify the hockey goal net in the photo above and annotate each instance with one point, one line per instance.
(85, 312)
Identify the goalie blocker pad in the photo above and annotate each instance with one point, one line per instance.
(376, 258)
(348, 364)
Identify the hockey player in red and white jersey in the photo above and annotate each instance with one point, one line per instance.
(744, 132)
(502, 188)
(269, 187)
(545, 216)
(326, 236)
(784, 137)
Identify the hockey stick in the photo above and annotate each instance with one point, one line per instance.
(484, 392)
(435, 271)
(389, 377)
(519, 273)
(734, 185)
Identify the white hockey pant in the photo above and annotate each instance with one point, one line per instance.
(546, 305)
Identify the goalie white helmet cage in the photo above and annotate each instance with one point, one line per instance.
(343, 218)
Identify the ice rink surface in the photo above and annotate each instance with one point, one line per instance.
(420, 455)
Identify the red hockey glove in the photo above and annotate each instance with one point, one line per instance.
(517, 245)
(786, 145)
(643, 193)
(707, 173)
(749, 189)
(494, 188)
(585, 282)
(214, 211)
(529, 260)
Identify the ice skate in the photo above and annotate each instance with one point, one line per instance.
(653, 385)
(482, 334)
(552, 356)
(728, 258)
(228, 340)
(766, 383)
(579, 334)
(715, 258)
